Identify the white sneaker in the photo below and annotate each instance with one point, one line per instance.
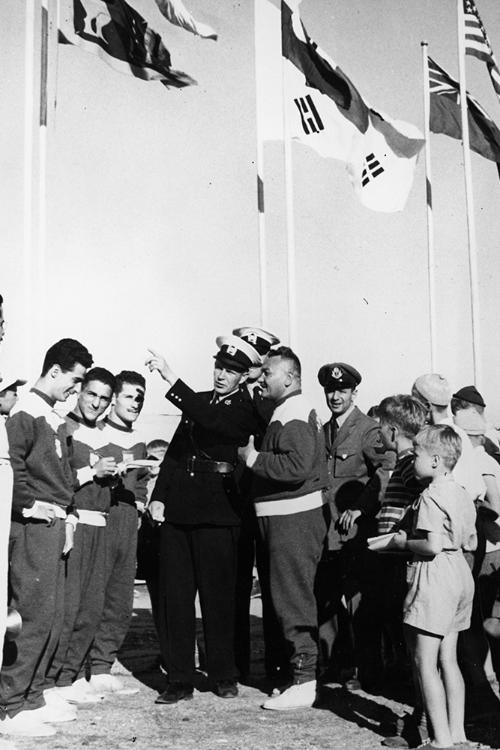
(108, 683)
(79, 693)
(296, 696)
(25, 724)
(58, 714)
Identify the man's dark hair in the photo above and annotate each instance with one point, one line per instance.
(1, 300)
(67, 353)
(284, 352)
(131, 378)
(102, 375)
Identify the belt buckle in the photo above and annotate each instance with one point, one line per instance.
(190, 465)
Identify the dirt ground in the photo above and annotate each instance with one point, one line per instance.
(341, 720)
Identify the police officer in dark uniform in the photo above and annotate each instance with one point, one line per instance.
(358, 468)
(196, 499)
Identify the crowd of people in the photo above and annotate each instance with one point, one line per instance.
(375, 537)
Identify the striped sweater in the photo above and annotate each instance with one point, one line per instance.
(39, 449)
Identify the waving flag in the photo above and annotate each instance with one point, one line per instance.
(445, 115)
(121, 37)
(477, 43)
(326, 112)
(176, 12)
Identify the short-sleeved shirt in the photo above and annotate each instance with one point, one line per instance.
(440, 587)
(445, 507)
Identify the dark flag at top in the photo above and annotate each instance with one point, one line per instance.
(445, 115)
(121, 37)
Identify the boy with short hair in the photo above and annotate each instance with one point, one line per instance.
(401, 419)
(438, 604)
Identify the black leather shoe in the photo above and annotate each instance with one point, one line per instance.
(226, 689)
(175, 692)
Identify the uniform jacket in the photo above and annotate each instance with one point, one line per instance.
(210, 431)
(358, 468)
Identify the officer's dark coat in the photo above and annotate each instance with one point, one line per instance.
(206, 431)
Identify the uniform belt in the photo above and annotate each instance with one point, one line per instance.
(92, 517)
(205, 466)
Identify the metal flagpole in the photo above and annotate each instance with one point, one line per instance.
(473, 268)
(29, 74)
(258, 25)
(290, 226)
(430, 219)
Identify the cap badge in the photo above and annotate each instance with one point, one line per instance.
(337, 373)
(252, 337)
(231, 350)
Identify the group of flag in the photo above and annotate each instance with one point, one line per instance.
(324, 109)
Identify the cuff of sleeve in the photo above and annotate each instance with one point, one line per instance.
(141, 507)
(29, 512)
(252, 458)
(85, 475)
(72, 519)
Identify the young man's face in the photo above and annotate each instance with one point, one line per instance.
(65, 383)
(128, 403)
(226, 380)
(8, 399)
(340, 400)
(93, 400)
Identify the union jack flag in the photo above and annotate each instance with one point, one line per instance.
(477, 43)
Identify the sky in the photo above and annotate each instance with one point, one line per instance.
(152, 225)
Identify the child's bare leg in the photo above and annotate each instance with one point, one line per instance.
(453, 685)
(426, 655)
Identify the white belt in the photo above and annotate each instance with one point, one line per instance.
(92, 517)
(58, 511)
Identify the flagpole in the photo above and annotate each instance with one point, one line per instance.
(42, 171)
(431, 264)
(260, 182)
(473, 267)
(29, 76)
(290, 225)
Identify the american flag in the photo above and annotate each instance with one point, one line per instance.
(478, 44)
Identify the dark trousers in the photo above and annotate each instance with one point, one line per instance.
(349, 610)
(250, 552)
(37, 581)
(119, 576)
(198, 559)
(84, 602)
(293, 545)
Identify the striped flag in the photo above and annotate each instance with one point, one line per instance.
(445, 114)
(121, 37)
(477, 43)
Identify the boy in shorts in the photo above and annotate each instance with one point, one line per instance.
(438, 604)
